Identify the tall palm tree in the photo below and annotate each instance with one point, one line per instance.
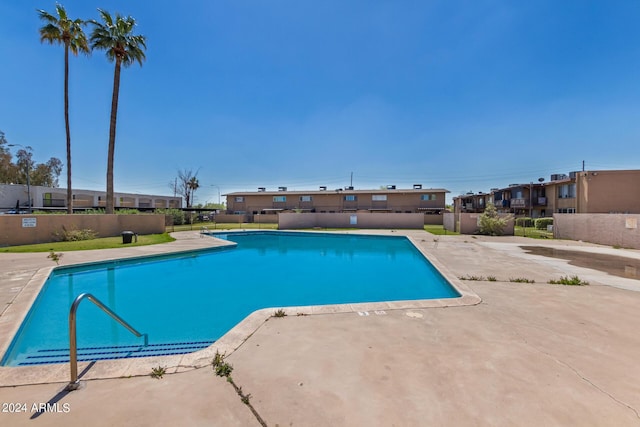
(69, 33)
(116, 38)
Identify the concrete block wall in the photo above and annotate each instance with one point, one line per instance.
(346, 220)
(467, 223)
(28, 229)
(605, 229)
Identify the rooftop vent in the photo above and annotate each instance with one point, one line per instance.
(514, 185)
(262, 189)
(494, 189)
(417, 186)
(282, 188)
(323, 188)
(391, 187)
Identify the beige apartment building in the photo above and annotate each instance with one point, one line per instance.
(14, 196)
(430, 201)
(605, 191)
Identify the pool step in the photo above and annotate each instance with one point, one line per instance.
(88, 354)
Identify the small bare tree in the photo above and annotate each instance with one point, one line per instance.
(186, 185)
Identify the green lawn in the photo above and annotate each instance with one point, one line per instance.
(82, 245)
(438, 230)
(533, 233)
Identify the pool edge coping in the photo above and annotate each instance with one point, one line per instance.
(227, 344)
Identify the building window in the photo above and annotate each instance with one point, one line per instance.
(567, 210)
(428, 197)
(279, 198)
(379, 197)
(350, 198)
(306, 198)
(567, 191)
(239, 199)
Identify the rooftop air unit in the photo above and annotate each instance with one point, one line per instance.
(417, 186)
(558, 176)
(262, 189)
(391, 187)
(282, 188)
(323, 188)
(348, 188)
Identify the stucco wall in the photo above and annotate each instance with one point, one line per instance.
(231, 218)
(467, 223)
(12, 231)
(433, 219)
(605, 229)
(449, 221)
(344, 220)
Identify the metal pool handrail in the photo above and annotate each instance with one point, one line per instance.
(73, 349)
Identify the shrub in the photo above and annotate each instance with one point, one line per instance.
(75, 235)
(541, 223)
(480, 278)
(174, 215)
(569, 281)
(490, 223)
(127, 211)
(220, 367)
(37, 212)
(158, 372)
(521, 280)
(524, 222)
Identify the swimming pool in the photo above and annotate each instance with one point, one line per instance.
(185, 302)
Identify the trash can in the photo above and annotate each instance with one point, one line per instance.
(127, 236)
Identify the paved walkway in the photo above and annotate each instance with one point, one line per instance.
(529, 354)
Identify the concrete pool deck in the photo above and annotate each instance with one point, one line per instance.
(528, 354)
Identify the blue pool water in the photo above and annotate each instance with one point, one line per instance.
(186, 302)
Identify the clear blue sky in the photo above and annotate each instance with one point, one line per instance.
(462, 95)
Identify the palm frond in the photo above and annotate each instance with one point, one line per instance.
(114, 36)
(62, 30)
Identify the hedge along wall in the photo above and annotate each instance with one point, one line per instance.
(350, 220)
(605, 229)
(28, 229)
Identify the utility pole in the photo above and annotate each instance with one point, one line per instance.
(530, 198)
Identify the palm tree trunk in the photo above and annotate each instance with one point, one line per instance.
(112, 137)
(66, 123)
